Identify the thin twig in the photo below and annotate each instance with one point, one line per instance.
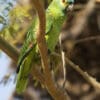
(91, 38)
(64, 67)
(79, 7)
(85, 75)
(38, 74)
(63, 61)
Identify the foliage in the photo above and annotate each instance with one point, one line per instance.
(15, 16)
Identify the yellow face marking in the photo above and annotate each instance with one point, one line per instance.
(64, 3)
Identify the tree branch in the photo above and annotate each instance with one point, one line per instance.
(85, 75)
(10, 50)
(57, 93)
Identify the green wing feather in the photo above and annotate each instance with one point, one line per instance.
(25, 68)
(24, 63)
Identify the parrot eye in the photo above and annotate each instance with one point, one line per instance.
(70, 3)
(63, 1)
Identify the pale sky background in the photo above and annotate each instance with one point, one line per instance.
(5, 90)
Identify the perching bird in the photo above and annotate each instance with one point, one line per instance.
(55, 16)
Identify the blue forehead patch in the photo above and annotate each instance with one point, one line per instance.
(70, 1)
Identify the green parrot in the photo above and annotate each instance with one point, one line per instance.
(55, 16)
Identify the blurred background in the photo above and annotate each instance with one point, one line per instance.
(82, 23)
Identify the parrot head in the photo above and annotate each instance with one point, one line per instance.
(65, 4)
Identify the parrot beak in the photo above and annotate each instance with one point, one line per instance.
(70, 7)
